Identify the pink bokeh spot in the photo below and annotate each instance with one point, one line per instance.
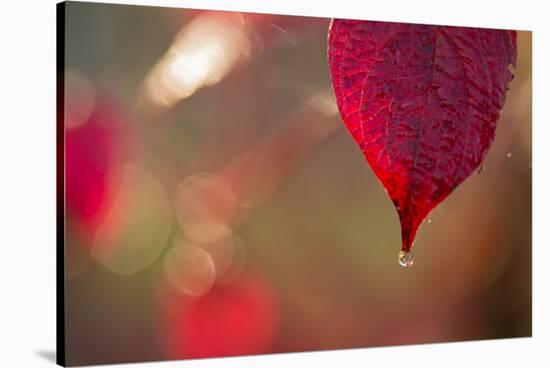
(239, 318)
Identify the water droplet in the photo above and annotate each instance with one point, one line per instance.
(429, 221)
(509, 154)
(405, 258)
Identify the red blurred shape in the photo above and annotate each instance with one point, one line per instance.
(233, 319)
(91, 149)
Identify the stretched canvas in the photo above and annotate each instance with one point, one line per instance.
(233, 183)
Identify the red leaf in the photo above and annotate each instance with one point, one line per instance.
(422, 103)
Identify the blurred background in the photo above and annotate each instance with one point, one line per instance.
(216, 205)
